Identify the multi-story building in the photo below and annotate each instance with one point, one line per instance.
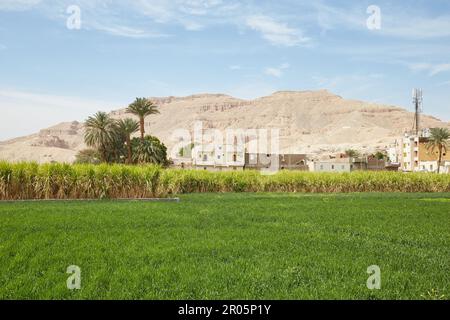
(416, 156)
(410, 153)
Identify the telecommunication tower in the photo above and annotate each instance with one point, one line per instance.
(418, 105)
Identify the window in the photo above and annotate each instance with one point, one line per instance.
(205, 157)
(321, 167)
(234, 158)
(342, 167)
(332, 167)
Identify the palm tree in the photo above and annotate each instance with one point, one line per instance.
(127, 127)
(100, 132)
(439, 139)
(149, 150)
(142, 108)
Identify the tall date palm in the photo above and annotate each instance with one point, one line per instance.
(142, 108)
(440, 140)
(127, 127)
(100, 132)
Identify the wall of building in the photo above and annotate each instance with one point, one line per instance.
(431, 155)
(220, 156)
(417, 157)
(333, 166)
(281, 162)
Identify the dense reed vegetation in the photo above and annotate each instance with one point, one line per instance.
(64, 181)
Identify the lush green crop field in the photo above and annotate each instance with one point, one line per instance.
(232, 246)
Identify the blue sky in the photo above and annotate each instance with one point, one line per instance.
(247, 49)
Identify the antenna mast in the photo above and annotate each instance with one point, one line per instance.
(418, 105)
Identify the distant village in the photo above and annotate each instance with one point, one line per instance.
(409, 154)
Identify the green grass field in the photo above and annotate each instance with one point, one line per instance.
(229, 246)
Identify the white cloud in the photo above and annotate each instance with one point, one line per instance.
(395, 21)
(276, 33)
(18, 5)
(199, 7)
(278, 71)
(128, 32)
(192, 15)
(431, 69)
(440, 68)
(329, 17)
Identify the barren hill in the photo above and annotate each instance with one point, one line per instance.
(313, 122)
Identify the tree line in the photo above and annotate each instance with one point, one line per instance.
(110, 140)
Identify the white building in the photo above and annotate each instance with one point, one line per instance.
(219, 157)
(394, 152)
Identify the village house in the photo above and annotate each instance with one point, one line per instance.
(224, 157)
(417, 157)
(278, 162)
(343, 163)
(332, 165)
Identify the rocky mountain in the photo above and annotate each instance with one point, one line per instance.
(311, 122)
